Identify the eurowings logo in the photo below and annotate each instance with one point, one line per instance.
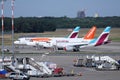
(74, 35)
(101, 40)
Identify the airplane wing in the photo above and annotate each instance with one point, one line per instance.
(74, 47)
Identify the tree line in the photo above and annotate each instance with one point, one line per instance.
(41, 24)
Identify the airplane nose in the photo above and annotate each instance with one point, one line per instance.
(16, 42)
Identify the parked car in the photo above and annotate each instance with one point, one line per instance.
(18, 76)
(6, 50)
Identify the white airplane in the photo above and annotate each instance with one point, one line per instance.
(61, 43)
(102, 39)
(32, 41)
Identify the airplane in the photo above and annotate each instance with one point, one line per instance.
(60, 43)
(102, 39)
(32, 41)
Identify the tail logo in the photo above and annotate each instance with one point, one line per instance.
(75, 32)
(91, 33)
(103, 36)
(74, 35)
(101, 40)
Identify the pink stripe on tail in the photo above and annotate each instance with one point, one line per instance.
(101, 40)
(74, 35)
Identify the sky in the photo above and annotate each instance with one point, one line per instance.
(60, 8)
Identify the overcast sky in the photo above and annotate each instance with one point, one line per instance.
(60, 8)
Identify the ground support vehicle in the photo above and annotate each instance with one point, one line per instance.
(104, 65)
(18, 76)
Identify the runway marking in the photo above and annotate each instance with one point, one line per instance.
(90, 69)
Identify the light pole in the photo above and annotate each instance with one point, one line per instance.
(12, 6)
(2, 16)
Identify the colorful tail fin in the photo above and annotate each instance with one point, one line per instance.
(91, 33)
(75, 32)
(103, 38)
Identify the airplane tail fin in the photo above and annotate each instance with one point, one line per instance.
(103, 38)
(74, 33)
(91, 33)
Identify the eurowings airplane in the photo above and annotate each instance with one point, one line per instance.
(32, 41)
(102, 39)
(60, 43)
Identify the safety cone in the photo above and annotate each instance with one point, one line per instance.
(72, 71)
(80, 74)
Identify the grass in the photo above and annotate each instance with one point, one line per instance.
(114, 35)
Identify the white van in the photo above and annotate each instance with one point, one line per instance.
(18, 75)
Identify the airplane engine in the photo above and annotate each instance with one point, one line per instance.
(31, 43)
(71, 48)
(17, 42)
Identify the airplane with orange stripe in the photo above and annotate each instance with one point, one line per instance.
(33, 41)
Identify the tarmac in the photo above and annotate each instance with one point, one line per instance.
(66, 61)
(113, 47)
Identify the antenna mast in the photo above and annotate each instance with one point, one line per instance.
(12, 6)
(2, 15)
